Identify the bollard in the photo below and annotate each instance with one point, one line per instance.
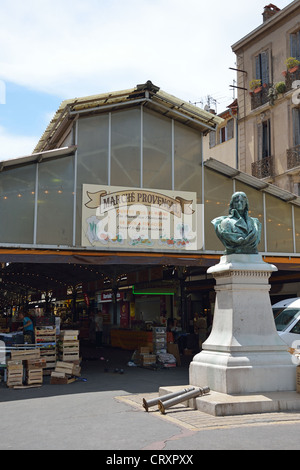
(169, 396)
(183, 397)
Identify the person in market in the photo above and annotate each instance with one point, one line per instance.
(27, 328)
(99, 328)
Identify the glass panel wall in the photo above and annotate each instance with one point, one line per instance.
(92, 151)
(297, 227)
(126, 148)
(279, 225)
(187, 160)
(157, 151)
(92, 158)
(17, 196)
(256, 207)
(218, 190)
(55, 202)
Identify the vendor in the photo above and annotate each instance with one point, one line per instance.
(27, 328)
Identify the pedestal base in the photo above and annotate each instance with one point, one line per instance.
(244, 353)
(221, 404)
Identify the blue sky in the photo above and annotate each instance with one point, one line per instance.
(51, 50)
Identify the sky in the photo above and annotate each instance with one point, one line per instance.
(52, 50)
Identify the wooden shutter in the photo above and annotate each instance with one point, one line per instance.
(295, 45)
(265, 68)
(258, 67)
(212, 139)
(296, 126)
(230, 129)
(259, 141)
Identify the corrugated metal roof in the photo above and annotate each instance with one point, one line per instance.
(148, 93)
(252, 181)
(38, 157)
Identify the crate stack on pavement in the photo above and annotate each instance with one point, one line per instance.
(14, 373)
(68, 346)
(45, 338)
(68, 365)
(64, 373)
(28, 361)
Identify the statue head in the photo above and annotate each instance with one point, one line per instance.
(239, 201)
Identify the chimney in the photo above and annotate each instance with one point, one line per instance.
(269, 11)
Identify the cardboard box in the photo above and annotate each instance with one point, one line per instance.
(147, 359)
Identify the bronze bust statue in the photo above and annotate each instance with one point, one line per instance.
(238, 232)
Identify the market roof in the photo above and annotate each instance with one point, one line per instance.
(252, 181)
(148, 94)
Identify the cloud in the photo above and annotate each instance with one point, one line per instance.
(13, 146)
(74, 48)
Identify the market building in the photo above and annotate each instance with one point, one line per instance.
(113, 210)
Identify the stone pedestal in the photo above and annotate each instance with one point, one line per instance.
(244, 353)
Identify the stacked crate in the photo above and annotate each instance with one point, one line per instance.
(159, 340)
(45, 338)
(34, 371)
(14, 373)
(64, 373)
(68, 346)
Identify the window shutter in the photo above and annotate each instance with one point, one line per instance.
(296, 126)
(257, 67)
(265, 68)
(212, 139)
(259, 141)
(230, 129)
(293, 41)
(295, 45)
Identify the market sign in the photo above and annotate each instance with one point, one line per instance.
(122, 218)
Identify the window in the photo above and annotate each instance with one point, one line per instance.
(295, 45)
(212, 139)
(262, 67)
(225, 133)
(230, 129)
(264, 139)
(296, 126)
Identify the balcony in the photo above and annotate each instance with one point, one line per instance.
(260, 96)
(291, 77)
(263, 168)
(293, 157)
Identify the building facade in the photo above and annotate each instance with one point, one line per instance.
(268, 73)
(85, 218)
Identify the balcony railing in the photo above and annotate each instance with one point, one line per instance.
(293, 157)
(263, 168)
(261, 97)
(291, 77)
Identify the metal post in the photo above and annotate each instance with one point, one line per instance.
(154, 401)
(184, 397)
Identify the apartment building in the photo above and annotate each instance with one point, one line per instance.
(268, 74)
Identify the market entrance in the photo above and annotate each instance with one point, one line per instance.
(134, 291)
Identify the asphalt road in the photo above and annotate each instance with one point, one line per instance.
(103, 411)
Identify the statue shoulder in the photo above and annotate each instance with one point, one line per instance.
(217, 221)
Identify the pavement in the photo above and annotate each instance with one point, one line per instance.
(104, 411)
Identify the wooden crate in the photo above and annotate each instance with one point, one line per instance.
(64, 373)
(68, 350)
(32, 364)
(34, 376)
(69, 334)
(25, 354)
(61, 380)
(14, 373)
